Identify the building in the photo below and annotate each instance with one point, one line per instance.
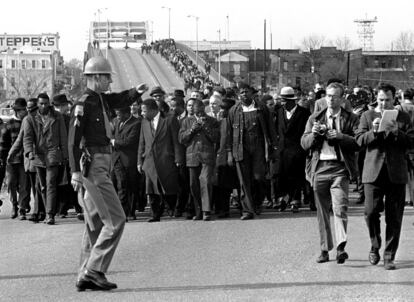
(29, 65)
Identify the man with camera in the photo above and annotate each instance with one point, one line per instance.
(329, 134)
(200, 134)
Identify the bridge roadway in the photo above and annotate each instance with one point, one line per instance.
(271, 258)
(131, 68)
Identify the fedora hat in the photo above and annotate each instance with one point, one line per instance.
(287, 93)
(59, 100)
(19, 104)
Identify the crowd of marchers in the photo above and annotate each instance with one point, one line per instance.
(196, 155)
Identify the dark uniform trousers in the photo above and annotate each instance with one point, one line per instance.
(184, 204)
(251, 170)
(201, 186)
(394, 209)
(48, 184)
(104, 216)
(18, 181)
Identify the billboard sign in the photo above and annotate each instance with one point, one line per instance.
(44, 42)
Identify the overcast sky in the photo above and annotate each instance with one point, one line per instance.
(290, 20)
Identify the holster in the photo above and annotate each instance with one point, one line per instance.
(86, 160)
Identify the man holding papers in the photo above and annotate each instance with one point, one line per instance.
(387, 135)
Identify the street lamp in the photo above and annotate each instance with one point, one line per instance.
(99, 11)
(196, 18)
(219, 56)
(169, 20)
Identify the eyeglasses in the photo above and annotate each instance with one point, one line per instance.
(157, 95)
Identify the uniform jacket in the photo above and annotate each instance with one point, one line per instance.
(200, 146)
(381, 149)
(158, 154)
(347, 145)
(234, 141)
(126, 142)
(87, 122)
(47, 142)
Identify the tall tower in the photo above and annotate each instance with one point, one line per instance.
(366, 32)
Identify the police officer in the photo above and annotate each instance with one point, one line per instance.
(89, 137)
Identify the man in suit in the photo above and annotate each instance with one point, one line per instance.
(329, 135)
(200, 134)
(385, 172)
(159, 157)
(290, 124)
(124, 174)
(321, 103)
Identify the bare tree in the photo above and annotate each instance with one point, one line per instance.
(27, 85)
(404, 41)
(312, 41)
(343, 43)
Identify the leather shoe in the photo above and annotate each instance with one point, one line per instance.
(14, 212)
(389, 265)
(206, 216)
(94, 280)
(197, 217)
(247, 217)
(374, 257)
(34, 218)
(323, 257)
(341, 256)
(80, 216)
(294, 208)
(50, 221)
(153, 220)
(41, 216)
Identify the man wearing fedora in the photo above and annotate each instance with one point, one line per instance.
(18, 182)
(290, 125)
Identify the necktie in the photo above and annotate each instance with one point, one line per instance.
(335, 144)
(152, 127)
(108, 129)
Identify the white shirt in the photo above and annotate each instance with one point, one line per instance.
(249, 108)
(328, 152)
(291, 112)
(155, 120)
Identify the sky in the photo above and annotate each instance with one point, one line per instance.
(288, 21)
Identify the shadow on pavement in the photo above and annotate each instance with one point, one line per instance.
(255, 286)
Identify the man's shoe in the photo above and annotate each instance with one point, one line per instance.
(178, 214)
(34, 218)
(94, 279)
(42, 216)
(341, 256)
(153, 220)
(281, 205)
(80, 216)
(22, 216)
(374, 257)
(323, 257)
(198, 217)
(206, 216)
(389, 265)
(50, 220)
(247, 217)
(294, 208)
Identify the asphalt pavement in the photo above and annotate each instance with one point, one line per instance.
(270, 258)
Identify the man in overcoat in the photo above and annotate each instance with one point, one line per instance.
(159, 157)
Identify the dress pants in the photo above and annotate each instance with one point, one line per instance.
(201, 186)
(104, 216)
(18, 182)
(394, 209)
(184, 189)
(48, 184)
(331, 185)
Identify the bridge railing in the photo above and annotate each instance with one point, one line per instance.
(214, 75)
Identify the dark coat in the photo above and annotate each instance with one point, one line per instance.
(392, 148)
(48, 144)
(200, 146)
(289, 132)
(234, 141)
(126, 142)
(159, 153)
(347, 145)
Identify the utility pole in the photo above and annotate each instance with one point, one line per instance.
(219, 56)
(347, 68)
(264, 60)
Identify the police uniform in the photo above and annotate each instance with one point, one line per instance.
(104, 216)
